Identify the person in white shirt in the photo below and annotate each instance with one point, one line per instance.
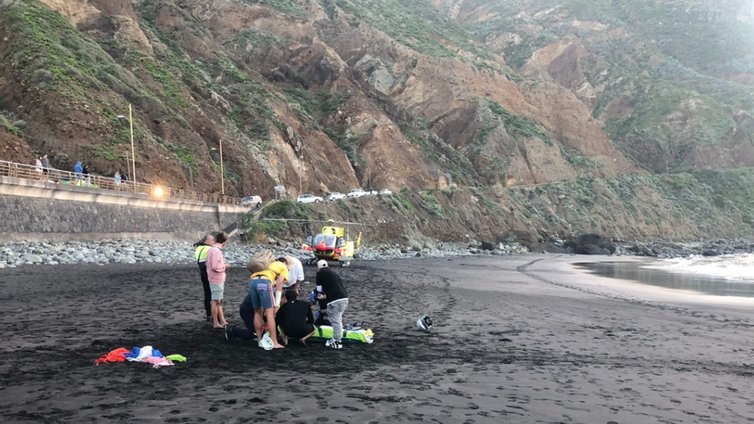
(295, 272)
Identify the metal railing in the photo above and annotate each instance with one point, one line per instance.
(60, 177)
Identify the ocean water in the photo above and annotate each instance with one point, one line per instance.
(731, 275)
(729, 267)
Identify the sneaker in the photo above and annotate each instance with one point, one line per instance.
(336, 345)
(227, 335)
(329, 342)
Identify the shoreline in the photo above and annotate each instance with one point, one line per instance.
(632, 289)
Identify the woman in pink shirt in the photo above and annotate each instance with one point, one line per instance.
(216, 274)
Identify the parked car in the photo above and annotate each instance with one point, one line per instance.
(335, 196)
(252, 201)
(308, 198)
(371, 192)
(385, 192)
(357, 192)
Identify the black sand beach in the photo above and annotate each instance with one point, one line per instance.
(529, 339)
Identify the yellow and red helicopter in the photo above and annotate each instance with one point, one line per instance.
(333, 244)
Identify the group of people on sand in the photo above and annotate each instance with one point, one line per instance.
(272, 301)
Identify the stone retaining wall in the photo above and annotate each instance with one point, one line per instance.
(37, 210)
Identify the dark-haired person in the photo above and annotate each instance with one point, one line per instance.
(202, 248)
(87, 175)
(46, 165)
(246, 310)
(295, 318)
(216, 274)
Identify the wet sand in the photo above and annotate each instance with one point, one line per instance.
(528, 339)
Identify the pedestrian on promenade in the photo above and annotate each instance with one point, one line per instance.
(79, 172)
(46, 166)
(38, 167)
(87, 175)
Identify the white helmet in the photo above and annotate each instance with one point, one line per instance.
(424, 323)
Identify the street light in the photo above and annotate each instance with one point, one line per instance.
(133, 154)
(222, 171)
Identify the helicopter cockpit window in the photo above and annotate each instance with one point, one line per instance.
(341, 242)
(329, 240)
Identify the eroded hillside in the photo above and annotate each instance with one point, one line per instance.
(330, 95)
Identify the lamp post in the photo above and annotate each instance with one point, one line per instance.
(133, 154)
(222, 170)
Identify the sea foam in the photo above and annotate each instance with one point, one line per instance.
(730, 267)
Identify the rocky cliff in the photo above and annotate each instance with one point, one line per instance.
(487, 99)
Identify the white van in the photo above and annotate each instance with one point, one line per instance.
(252, 201)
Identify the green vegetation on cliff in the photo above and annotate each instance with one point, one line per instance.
(417, 24)
(703, 202)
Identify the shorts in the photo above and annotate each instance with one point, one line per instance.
(217, 291)
(260, 291)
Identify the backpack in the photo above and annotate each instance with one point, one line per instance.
(260, 261)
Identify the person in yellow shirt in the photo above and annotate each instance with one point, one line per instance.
(263, 301)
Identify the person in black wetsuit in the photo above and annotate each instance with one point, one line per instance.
(295, 318)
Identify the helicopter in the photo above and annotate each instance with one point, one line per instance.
(333, 244)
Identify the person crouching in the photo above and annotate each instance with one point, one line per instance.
(295, 318)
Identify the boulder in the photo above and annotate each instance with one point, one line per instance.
(488, 245)
(591, 244)
(35, 259)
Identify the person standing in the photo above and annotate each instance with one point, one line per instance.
(263, 301)
(201, 260)
(38, 167)
(46, 166)
(87, 175)
(216, 275)
(117, 180)
(337, 301)
(79, 172)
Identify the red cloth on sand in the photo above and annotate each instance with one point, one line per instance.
(117, 355)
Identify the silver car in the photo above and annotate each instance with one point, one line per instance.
(308, 198)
